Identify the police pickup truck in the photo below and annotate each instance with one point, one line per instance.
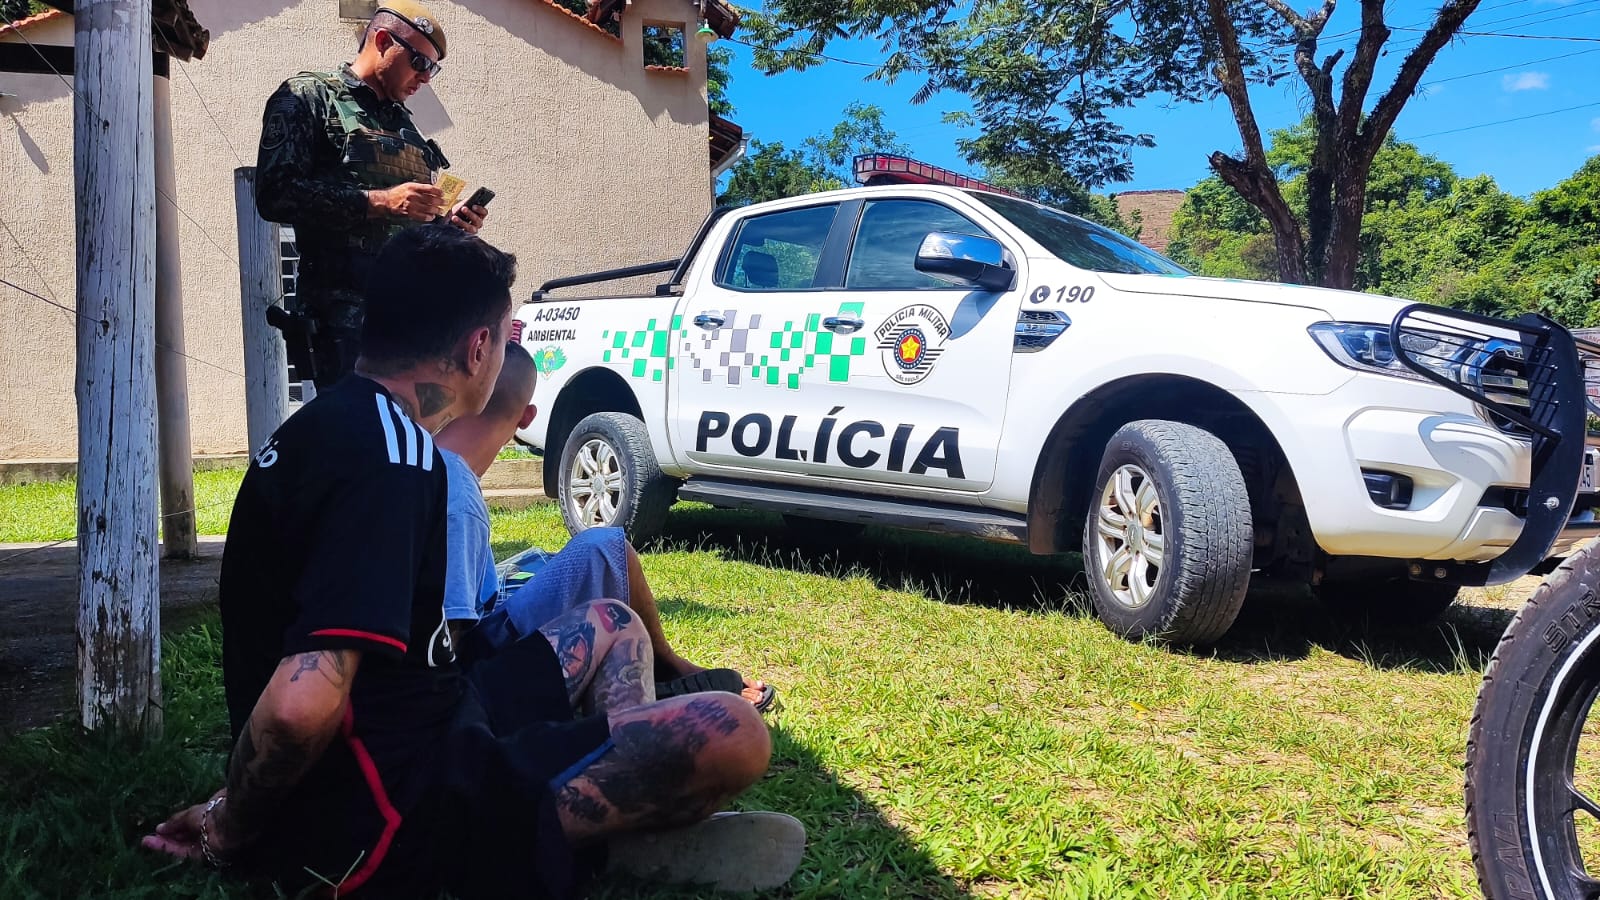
(958, 360)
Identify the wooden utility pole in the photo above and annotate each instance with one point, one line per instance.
(266, 369)
(178, 540)
(119, 634)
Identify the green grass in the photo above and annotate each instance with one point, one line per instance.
(45, 511)
(953, 722)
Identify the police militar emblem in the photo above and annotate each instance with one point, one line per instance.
(910, 341)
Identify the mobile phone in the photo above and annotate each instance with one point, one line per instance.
(480, 197)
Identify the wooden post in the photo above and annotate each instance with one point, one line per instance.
(178, 540)
(266, 369)
(119, 633)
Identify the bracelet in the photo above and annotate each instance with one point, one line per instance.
(213, 858)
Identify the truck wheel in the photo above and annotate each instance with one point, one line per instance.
(609, 478)
(1526, 806)
(1395, 601)
(1168, 541)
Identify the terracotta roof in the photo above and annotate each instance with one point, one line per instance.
(27, 21)
(585, 21)
(1155, 209)
(175, 27)
(722, 17)
(725, 138)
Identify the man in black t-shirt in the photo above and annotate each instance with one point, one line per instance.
(364, 758)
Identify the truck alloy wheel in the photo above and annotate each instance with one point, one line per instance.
(1167, 543)
(1531, 812)
(1128, 529)
(595, 483)
(609, 478)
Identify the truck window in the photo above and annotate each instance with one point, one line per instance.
(778, 251)
(1081, 243)
(884, 257)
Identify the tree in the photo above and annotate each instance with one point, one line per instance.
(717, 78)
(1046, 77)
(771, 172)
(12, 10)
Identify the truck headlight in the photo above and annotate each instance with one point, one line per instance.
(1370, 348)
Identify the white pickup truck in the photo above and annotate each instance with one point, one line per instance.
(967, 362)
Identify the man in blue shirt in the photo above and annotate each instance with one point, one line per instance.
(596, 564)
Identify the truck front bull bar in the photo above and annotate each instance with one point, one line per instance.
(1494, 363)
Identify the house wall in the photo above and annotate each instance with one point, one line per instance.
(595, 163)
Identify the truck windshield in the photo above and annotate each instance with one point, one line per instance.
(1081, 243)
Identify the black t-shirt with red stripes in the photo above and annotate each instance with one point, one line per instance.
(337, 542)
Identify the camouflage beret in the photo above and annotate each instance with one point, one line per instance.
(417, 16)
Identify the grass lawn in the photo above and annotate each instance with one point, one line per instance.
(954, 722)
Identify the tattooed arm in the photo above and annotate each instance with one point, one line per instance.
(291, 725)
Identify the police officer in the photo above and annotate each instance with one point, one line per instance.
(341, 161)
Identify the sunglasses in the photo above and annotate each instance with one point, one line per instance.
(419, 63)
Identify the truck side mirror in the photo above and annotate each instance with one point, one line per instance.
(966, 259)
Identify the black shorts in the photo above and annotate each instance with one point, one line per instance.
(514, 747)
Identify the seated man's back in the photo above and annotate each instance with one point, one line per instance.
(337, 541)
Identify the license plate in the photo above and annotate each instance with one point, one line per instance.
(1586, 478)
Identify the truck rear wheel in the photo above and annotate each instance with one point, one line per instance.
(609, 478)
(1168, 542)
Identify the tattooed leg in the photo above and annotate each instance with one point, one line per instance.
(625, 679)
(674, 762)
(585, 638)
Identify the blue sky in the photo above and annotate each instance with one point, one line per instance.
(1523, 157)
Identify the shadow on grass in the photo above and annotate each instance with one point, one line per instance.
(950, 569)
(1280, 622)
(852, 850)
(73, 807)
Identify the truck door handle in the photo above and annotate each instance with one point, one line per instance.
(709, 320)
(842, 324)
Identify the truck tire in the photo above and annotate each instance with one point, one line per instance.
(1524, 738)
(1168, 541)
(609, 478)
(1394, 601)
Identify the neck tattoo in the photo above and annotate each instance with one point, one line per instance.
(433, 399)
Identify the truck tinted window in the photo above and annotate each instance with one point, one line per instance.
(778, 251)
(884, 256)
(1081, 243)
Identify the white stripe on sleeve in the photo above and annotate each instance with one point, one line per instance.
(427, 449)
(388, 428)
(411, 436)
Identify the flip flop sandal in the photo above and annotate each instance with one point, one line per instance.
(726, 680)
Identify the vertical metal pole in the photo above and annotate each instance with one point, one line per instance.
(119, 610)
(266, 371)
(178, 539)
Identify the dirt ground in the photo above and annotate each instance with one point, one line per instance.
(38, 623)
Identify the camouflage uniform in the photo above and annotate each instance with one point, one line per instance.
(327, 139)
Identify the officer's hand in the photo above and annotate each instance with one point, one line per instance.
(469, 218)
(414, 200)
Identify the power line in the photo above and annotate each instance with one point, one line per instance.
(1525, 37)
(1531, 62)
(81, 315)
(78, 98)
(1552, 112)
(203, 105)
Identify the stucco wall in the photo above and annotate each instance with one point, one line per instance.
(595, 163)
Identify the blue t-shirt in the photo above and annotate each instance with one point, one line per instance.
(470, 580)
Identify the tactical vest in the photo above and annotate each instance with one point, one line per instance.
(373, 157)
